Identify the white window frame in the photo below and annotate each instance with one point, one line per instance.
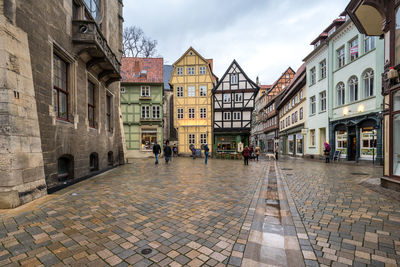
(156, 110)
(227, 98)
(313, 105)
(354, 43)
(179, 70)
(191, 91)
(340, 57)
(234, 78)
(202, 70)
(369, 43)
(368, 80)
(179, 91)
(353, 89)
(237, 115)
(145, 91)
(191, 113)
(145, 112)
(203, 90)
(180, 113)
(340, 94)
(191, 139)
(227, 116)
(238, 97)
(313, 76)
(322, 101)
(191, 70)
(203, 113)
(322, 69)
(203, 138)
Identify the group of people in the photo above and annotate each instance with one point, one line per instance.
(250, 153)
(168, 151)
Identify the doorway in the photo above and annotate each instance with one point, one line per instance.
(353, 147)
(322, 140)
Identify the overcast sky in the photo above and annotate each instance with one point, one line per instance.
(264, 36)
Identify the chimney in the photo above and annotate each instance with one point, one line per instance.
(258, 81)
(136, 69)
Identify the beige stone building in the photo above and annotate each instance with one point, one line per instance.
(292, 110)
(59, 94)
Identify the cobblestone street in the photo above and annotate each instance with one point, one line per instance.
(188, 213)
(347, 223)
(222, 214)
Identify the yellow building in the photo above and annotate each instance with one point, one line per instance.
(192, 81)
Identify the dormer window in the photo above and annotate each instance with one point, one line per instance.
(331, 31)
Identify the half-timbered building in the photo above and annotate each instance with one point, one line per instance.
(233, 102)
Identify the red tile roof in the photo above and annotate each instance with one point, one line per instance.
(265, 86)
(142, 70)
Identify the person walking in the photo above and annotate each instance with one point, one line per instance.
(193, 152)
(246, 155)
(251, 152)
(206, 150)
(257, 151)
(156, 151)
(167, 152)
(175, 150)
(327, 152)
(276, 153)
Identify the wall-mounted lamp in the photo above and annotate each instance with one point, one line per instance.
(361, 108)
(346, 111)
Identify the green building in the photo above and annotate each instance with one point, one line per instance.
(142, 91)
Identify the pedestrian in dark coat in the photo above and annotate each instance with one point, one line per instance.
(246, 155)
(327, 152)
(156, 151)
(206, 150)
(167, 152)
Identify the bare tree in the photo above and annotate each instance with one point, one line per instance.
(136, 44)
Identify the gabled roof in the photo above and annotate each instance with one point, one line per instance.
(142, 70)
(168, 69)
(297, 80)
(280, 77)
(241, 70)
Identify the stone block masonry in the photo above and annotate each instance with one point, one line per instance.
(22, 176)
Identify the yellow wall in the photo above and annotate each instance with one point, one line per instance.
(301, 104)
(195, 126)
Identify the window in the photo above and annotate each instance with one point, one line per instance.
(60, 88)
(301, 94)
(203, 139)
(227, 116)
(340, 57)
(145, 112)
(397, 38)
(203, 113)
(354, 49)
(203, 90)
(94, 8)
(322, 69)
(202, 70)
(179, 70)
(145, 91)
(156, 112)
(110, 158)
(369, 43)
(312, 105)
(191, 91)
(192, 139)
(353, 89)
(312, 138)
(94, 162)
(191, 113)
(296, 99)
(237, 115)
(190, 70)
(180, 113)
(227, 98)
(322, 101)
(65, 167)
(122, 90)
(301, 113)
(313, 76)
(341, 142)
(234, 78)
(148, 139)
(91, 106)
(340, 94)
(331, 31)
(179, 91)
(108, 113)
(369, 83)
(238, 97)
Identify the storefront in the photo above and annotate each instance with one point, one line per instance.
(270, 142)
(395, 122)
(148, 137)
(358, 138)
(229, 142)
(292, 141)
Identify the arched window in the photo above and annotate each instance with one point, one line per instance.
(110, 158)
(65, 167)
(353, 89)
(94, 162)
(368, 83)
(340, 94)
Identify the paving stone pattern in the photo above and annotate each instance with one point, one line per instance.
(347, 224)
(188, 213)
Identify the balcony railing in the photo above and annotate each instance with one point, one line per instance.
(87, 37)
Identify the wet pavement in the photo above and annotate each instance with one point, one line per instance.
(288, 213)
(184, 214)
(347, 223)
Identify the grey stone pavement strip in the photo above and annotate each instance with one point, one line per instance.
(347, 223)
(188, 213)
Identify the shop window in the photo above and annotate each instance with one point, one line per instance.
(60, 88)
(396, 101)
(396, 145)
(341, 142)
(290, 144)
(368, 141)
(368, 83)
(148, 139)
(110, 158)
(94, 162)
(299, 144)
(65, 165)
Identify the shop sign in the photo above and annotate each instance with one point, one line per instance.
(299, 136)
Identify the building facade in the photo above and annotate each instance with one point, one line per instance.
(354, 96)
(233, 102)
(192, 81)
(292, 111)
(142, 104)
(382, 18)
(60, 103)
(168, 106)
